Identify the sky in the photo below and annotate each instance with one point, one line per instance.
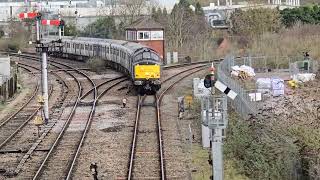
(167, 3)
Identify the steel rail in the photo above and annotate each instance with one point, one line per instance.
(134, 139)
(3, 143)
(159, 129)
(101, 84)
(162, 165)
(88, 124)
(23, 106)
(66, 125)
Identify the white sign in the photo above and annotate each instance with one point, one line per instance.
(156, 35)
(255, 96)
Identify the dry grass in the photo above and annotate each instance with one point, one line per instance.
(288, 42)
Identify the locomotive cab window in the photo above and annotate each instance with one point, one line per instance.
(146, 55)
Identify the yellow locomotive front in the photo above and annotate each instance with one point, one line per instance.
(147, 78)
(147, 71)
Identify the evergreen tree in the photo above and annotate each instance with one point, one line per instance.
(102, 28)
(158, 14)
(153, 12)
(305, 14)
(184, 4)
(199, 10)
(164, 12)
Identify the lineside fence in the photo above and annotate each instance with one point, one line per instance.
(261, 64)
(242, 103)
(8, 87)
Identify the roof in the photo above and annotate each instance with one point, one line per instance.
(145, 23)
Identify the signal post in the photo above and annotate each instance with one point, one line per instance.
(216, 119)
(44, 67)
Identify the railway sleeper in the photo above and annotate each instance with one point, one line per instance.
(7, 151)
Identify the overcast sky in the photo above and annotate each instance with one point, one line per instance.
(168, 3)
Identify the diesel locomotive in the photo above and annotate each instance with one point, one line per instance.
(141, 63)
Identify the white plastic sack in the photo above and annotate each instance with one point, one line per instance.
(263, 83)
(249, 70)
(235, 73)
(235, 68)
(305, 77)
(277, 87)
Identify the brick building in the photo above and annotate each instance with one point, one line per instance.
(148, 32)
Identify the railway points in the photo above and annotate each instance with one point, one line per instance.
(58, 151)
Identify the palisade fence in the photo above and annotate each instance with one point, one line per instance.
(241, 103)
(8, 87)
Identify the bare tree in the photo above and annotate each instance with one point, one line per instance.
(130, 10)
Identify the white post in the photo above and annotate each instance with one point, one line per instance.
(60, 27)
(38, 30)
(230, 2)
(45, 84)
(217, 155)
(218, 2)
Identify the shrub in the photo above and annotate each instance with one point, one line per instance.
(96, 64)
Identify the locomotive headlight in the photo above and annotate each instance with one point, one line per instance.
(157, 82)
(137, 83)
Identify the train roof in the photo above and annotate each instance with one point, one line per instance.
(130, 46)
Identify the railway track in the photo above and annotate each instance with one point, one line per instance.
(146, 160)
(146, 155)
(135, 172)
(61, 158)
(22, 141)
(10, 127)
(53, 155)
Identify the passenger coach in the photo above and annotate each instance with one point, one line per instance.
(140, 62)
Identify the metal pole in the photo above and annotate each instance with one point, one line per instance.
(60, 27)
(217, 155)
(45, 84)
(38, 29)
